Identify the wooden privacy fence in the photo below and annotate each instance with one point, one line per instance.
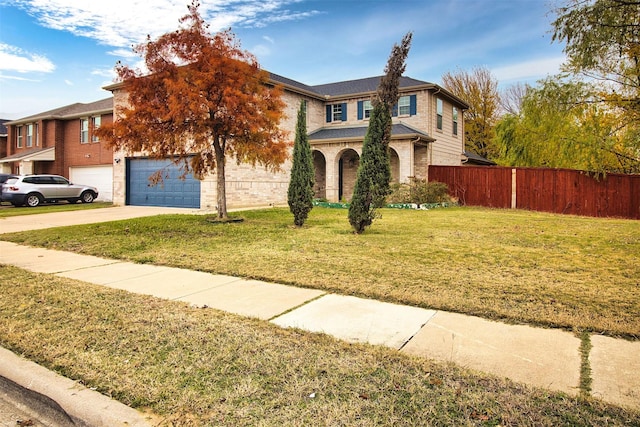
(550, 190)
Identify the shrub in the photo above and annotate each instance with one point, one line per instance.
(419, 191)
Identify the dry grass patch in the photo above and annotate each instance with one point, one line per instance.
(203, 367)
(544, 269)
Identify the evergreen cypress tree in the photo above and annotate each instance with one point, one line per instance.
(300, 194)
(374, 172)
(374, 169)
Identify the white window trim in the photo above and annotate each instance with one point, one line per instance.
(404, 102)
(336, 112)
(84, 133)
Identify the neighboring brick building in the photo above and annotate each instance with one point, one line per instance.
(62, 142)
(428, 128)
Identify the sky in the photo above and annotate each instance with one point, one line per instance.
(58, 52)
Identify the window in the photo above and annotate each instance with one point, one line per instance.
(439, 110)
(364, 109)
(36, 134)
(337, 113)
(367, 107)
(30, 135)
(404, 106)
(95, 124)
(455, 120)
(19, 137)
(84, 131)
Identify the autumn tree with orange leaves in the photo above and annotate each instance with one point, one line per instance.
(203, 99)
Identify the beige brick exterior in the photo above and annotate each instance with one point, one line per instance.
(338, 159)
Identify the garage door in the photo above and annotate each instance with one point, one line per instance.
(100, 177)
(172, 192)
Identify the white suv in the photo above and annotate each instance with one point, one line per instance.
(32, 190)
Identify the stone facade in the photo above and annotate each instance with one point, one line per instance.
(336, 144)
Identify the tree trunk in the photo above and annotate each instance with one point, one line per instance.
(221, 182)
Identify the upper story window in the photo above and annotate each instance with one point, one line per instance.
(403, 106)
(364, 109)
(439, 112)
(95, 124)
(454, 112)
(30, 135)
(407, 106)
(19, 136)
(337, 113)
(84, 131)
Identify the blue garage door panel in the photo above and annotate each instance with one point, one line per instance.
(172, 192)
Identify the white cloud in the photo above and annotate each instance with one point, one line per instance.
(68, 82)
(528, 70)
(123, 23)
(15, 59)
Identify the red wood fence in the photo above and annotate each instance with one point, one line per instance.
(549, 190)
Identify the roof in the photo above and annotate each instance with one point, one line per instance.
(369, 84)
(3, 128)
(37, 154)
(69, 111)
(476, 159)
(398, 130)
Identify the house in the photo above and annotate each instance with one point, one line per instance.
(428, 128)
(61, 142)
(3, 139)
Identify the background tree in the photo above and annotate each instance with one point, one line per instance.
(561, 125)
(374, 171)
(511, 98)
(203, 99)
(300, 194)
(602, 42)
(479, 89)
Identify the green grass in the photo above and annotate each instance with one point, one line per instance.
(6, 210)
(570, 272)
(199, 367)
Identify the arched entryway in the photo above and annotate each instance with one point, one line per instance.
(320, 167)
(348, 162)
(394, 161)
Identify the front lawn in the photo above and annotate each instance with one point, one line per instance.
(571, 272)
(202, 367)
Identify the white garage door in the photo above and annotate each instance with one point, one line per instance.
(100, 177)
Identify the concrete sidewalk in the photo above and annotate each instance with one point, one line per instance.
(540, 357)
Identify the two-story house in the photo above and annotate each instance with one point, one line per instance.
(428, 128)
(62, 142)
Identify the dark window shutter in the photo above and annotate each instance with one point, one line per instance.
(394, 110)
(344, 112)
(328, 113)
(360, 110)
(413, 108)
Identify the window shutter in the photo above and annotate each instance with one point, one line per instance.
(413, 108)
(328, 113)
(394, 110)
(360, 110)
(344, 112)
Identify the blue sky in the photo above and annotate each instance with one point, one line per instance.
(58, 52)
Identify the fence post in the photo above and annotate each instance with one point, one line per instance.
(513, 189)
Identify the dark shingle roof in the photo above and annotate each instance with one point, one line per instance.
(3, 128)
(70, 111)
(476, 159)
(292, 83)
(369, 84)
(360, 131)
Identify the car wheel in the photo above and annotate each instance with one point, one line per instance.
(33, 199)
(87, 197)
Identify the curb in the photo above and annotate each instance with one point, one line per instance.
(61, 401)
